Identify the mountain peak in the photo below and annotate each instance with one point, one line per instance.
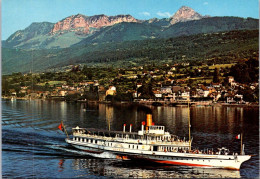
(185, 14)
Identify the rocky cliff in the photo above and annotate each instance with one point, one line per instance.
(86, 24)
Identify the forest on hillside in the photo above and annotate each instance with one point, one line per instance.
(221, 47)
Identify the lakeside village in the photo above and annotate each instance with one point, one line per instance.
(149, 84)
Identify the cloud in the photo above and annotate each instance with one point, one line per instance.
(145, 13)
(205, 3)
(164, 14)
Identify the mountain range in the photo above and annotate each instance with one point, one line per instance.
(99, 39)
(81, 29)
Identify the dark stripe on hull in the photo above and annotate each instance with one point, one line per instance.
(168, 162)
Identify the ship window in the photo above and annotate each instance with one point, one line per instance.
(155, 148)
(96, 141)
(220, 160)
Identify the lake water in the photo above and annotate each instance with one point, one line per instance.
(32, 145)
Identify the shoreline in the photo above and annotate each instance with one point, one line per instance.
(138, 103)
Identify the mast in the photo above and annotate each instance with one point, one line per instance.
(189, 123)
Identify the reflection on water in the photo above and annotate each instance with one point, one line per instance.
(131, 169)
(31, 139)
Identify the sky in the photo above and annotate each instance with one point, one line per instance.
(19, 14)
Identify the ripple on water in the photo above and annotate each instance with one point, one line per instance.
(34, 147)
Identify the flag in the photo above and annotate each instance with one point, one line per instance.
(238, 136)
(61, 127)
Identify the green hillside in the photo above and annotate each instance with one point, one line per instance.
(124, 32)
(220, 47)
(209, 25)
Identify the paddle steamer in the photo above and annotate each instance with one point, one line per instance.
(153, 143)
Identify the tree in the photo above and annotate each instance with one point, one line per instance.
(225, 82)
(216, 76)
(5, 86)
(123, 96)
(88, 72)
(240, 72)
(72, 97)
(46, 86)
(248, 95)
(146, 91)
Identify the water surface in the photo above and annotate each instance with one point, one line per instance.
(32, 145)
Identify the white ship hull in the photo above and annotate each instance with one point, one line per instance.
(144, 152)
(213, 161)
